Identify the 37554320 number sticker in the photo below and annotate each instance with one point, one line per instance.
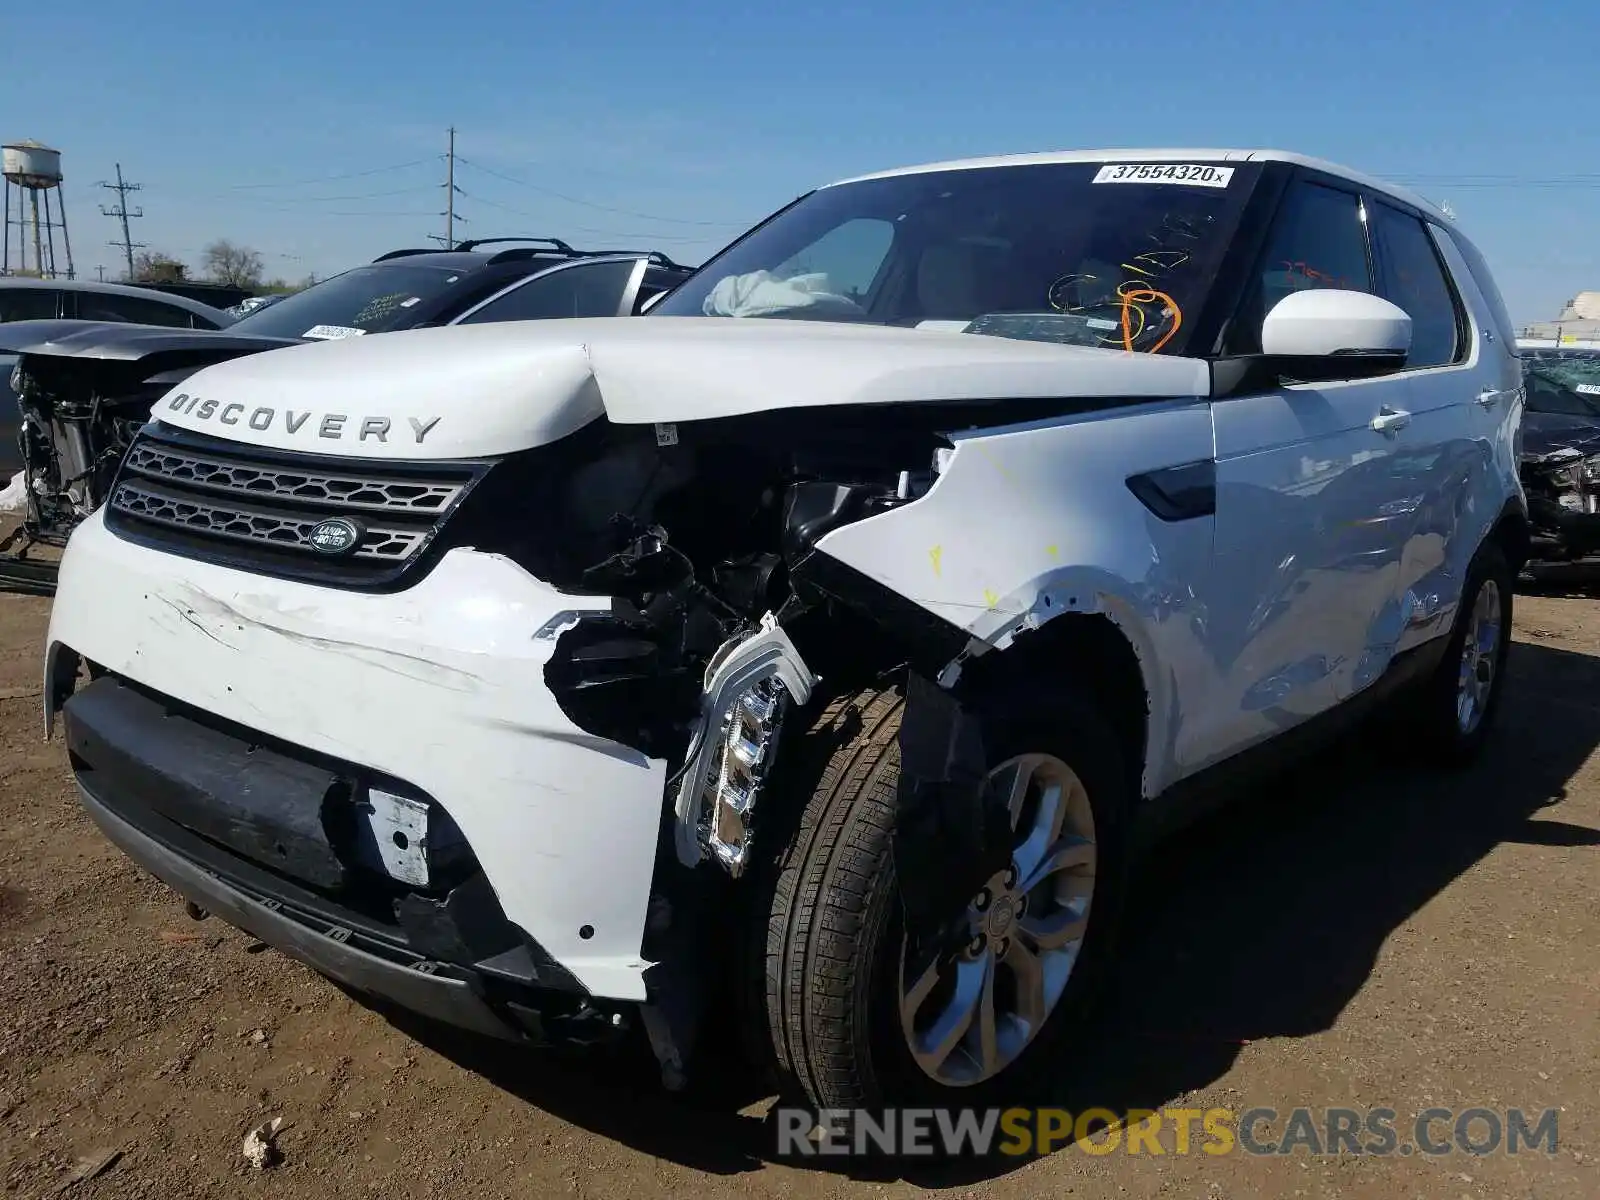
(1192, 174)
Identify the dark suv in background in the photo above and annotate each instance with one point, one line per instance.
(83, 388)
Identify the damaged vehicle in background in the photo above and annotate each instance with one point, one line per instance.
(1561, 454)
(85, 387)
(821, 646)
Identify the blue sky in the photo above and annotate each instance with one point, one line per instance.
(674, 125)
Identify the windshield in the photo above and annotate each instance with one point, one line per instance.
(369, 299)
(1087, 253)
(1563, 382)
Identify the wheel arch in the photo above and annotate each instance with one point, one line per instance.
(1102, 655)
(1513, 533)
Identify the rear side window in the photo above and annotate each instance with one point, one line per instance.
(1411, 275)
(586, 290)
(1317, 241)
(133, 309)
(27, 304)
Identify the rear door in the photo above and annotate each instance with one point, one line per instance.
(1306, 556)
(1448, 384)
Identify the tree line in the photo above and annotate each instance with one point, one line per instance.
(222, 261)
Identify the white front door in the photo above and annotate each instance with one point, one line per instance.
(1307, 549)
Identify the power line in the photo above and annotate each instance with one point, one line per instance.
(522, 212)
(407, 191)
(1580, 180)
(121, 211)
(335, 178)
(626, 212)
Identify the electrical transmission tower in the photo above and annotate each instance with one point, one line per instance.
(450, 192)
(127, 244)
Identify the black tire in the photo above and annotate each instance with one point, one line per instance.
(834, 925)
(1443, 740)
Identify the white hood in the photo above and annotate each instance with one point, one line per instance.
(472, 391)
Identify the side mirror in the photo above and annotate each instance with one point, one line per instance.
(1327, 323)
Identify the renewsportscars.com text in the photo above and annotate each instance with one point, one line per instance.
(1378, 1132)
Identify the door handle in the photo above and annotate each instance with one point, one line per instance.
(1489, 397)
(1390, 420)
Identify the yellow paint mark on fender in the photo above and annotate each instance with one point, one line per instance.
(935, 554)
(990, 598)
(1053, 551)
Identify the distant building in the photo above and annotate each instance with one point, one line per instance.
(1578, 324)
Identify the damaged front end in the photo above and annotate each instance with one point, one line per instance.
(1562, 485)
(721, 622)
(726, 629)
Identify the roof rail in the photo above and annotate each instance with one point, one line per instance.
(655, 256)
(474, 243)
(407, 253)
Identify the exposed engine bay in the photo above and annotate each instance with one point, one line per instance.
(75, 428)
(704, 534)
(79, 415)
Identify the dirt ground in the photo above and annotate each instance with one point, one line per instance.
(1359, 934)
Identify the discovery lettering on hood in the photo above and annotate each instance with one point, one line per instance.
(328, 425)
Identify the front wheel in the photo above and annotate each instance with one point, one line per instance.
(854, 1022)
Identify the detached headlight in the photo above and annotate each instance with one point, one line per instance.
(749, 742)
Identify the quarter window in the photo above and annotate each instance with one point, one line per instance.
(1412, 277)
(1317, 241)
(589, 290)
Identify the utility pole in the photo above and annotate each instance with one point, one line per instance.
(450, 194)
(121, 211)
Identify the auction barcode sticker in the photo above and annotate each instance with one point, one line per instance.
(332, 332)
(1193, 174)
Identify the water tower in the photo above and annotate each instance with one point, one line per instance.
(33, 175)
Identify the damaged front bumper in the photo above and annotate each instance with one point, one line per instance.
(436, 693)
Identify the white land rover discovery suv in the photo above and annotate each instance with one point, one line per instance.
(548, 678)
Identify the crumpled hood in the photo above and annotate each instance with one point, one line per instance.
(120, 342)
(479, 390)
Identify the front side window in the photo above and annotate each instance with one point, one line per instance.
(371, 299)
(1412, 277)
(1317, 241)
(1113, 255)
(582, 290)
(27, 303)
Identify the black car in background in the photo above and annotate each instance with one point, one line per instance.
(1561, 451)
(84, 300)
(83, 388)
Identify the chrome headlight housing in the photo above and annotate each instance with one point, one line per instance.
(749, 743)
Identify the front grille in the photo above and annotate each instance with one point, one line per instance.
(256, 509)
